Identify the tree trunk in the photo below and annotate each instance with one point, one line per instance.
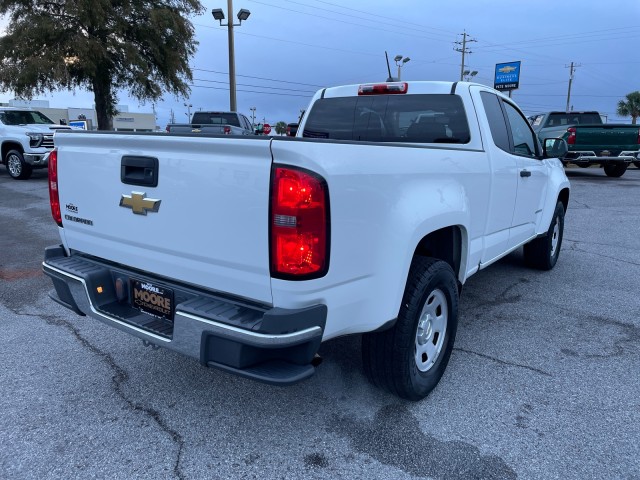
(103, 96)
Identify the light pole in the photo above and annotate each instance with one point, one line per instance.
(243, 14)
(400, 63)
(253, 117)
(468, 75)
(188, 105)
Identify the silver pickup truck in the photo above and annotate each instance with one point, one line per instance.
(214, 123)
(26, 138)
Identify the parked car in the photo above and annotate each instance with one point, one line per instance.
(590, 140)
(216, 123)
(292, 129)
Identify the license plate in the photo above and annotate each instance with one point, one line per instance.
(152, 299)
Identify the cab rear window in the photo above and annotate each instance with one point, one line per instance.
(429, 118)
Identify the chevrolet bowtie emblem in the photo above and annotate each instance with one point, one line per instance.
(139, 204)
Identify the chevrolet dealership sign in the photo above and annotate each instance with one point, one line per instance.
(507, 76)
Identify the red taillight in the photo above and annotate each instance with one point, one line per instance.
(571, 140)
(638, 136)
(168, 129)
(227, 130)
(54, 198)
(383, 88)
(299, 224)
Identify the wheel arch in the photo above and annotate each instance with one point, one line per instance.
(9, 145)
(563, 197)
(445, 244)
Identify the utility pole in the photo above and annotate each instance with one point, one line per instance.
(464, 50)
(572, 69)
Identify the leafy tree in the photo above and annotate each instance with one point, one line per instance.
(630, 108)
(281, 128)
(142, 46)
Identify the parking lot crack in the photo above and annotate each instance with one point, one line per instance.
(119, 378)
(504, 362)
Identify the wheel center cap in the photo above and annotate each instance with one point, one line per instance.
(425, 329)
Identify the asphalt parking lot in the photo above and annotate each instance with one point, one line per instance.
(544, 380)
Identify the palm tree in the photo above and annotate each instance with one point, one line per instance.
(281, 128)
(630, 108)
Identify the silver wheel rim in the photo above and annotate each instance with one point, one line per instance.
(555, 238)
(431, 331)
(14, 165)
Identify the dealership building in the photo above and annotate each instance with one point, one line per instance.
(125, 121)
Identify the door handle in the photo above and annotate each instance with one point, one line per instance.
(141, 171)
(525, 173)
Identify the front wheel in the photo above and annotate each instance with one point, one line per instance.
(410, 358)
(542, 253)
(615, 169)
(16, 166)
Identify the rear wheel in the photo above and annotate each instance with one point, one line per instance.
(542, 253)
(410, 358)
(615, 169)
(17, 167)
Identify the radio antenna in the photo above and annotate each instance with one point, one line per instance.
(390, 78)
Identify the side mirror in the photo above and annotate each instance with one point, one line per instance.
(554, 148)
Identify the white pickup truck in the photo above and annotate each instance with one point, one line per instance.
(26, 138)
(246, 252)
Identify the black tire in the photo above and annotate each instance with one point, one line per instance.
(16, 166)
(583, 165)
(637, 164)
(615, 169)
(542, 253)
(390, 357)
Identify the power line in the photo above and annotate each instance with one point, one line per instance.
(403, 23)
(324, 47)
(261, 78)
(352, 23)
(255, 86)
(251, 91)
(553, 39)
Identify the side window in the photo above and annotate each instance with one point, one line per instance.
(524, 141)
(496, 120)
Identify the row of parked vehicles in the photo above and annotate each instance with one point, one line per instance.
(26, 137)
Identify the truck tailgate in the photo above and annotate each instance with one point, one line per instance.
(211, 225)
(614, 137)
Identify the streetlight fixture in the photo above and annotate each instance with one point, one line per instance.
(218, 15)
(468, 75)
(253, 117)
(400, 62)
(188, 105)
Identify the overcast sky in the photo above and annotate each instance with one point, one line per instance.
(288, 49)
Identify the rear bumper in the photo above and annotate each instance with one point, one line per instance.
(268, 344)
(590, 158)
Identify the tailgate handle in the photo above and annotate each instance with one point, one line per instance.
(525, 173)
(142, 171)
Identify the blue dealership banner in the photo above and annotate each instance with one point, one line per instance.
(507, 76)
